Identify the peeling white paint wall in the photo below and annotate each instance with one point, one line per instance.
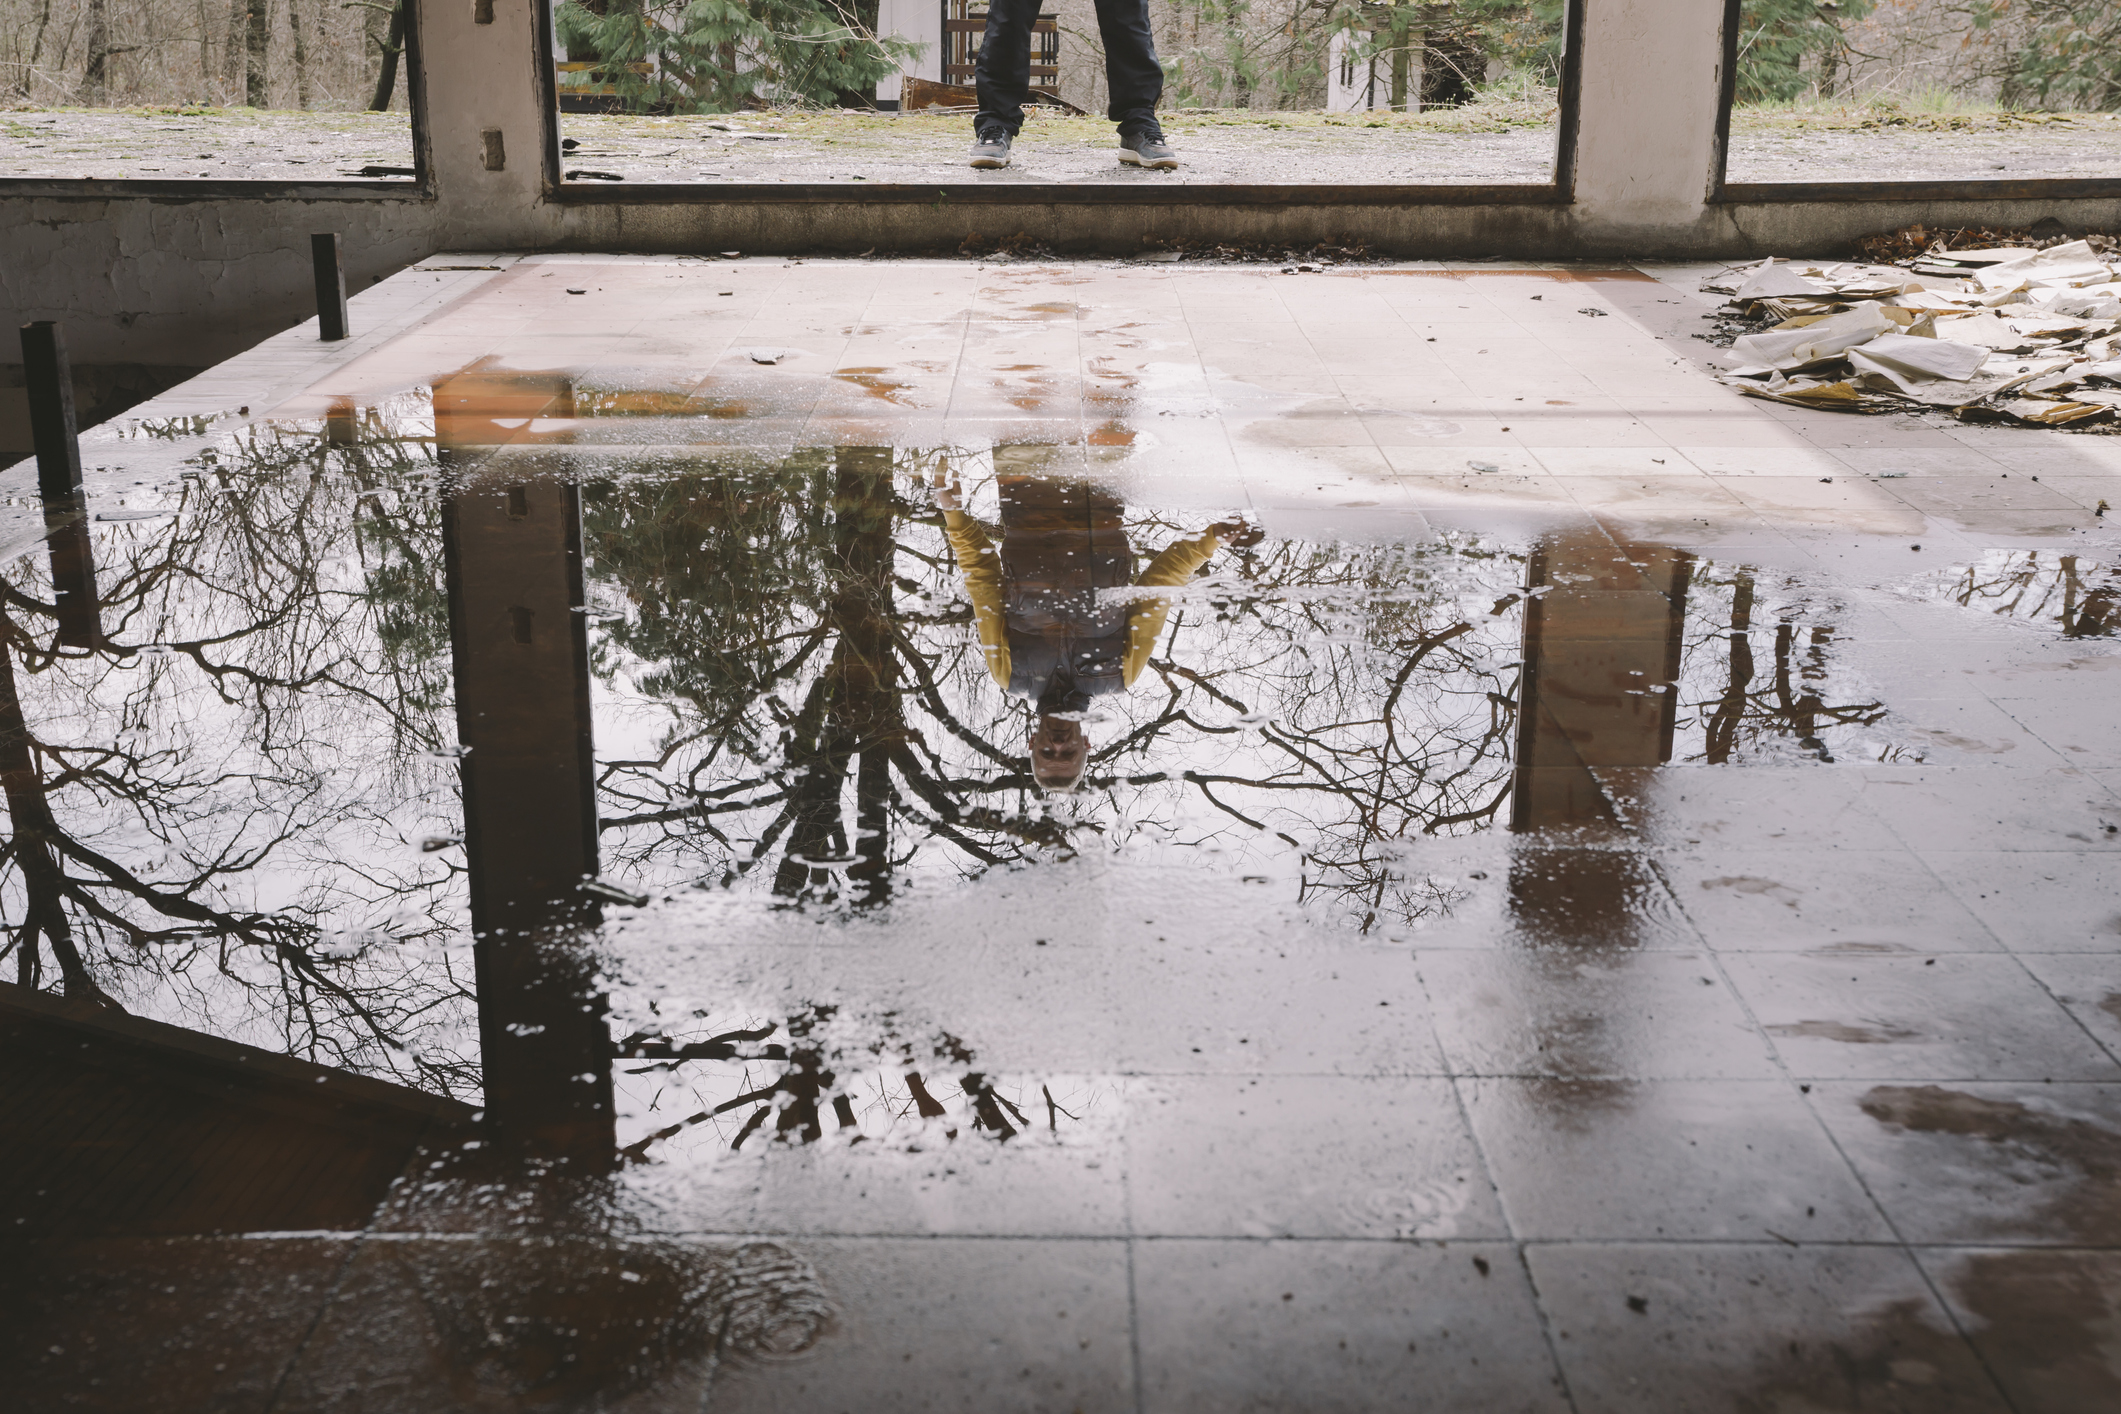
(1646, 127)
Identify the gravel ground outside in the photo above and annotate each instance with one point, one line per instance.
(226, 143)
(1498, 144)
(1491, 143)
(1862, 145)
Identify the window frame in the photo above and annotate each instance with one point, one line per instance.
(1725, 192)
(421, 188)
(1559, 190)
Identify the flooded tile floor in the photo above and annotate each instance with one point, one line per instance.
(531, 882)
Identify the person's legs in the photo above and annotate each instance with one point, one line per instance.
(1132, 75)
(1002, 72)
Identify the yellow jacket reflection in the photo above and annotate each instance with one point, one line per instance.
(1050, 627)
(1144, 617)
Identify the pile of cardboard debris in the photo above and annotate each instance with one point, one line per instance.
(2006, 334)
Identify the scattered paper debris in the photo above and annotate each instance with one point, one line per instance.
(1903, 361)
(1812, 341)
(2026, 333)
(1774, 278)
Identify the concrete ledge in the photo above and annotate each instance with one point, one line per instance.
(1058, 194)
(206, 189)
(1517, 229)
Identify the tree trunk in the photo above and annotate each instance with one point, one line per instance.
(232, 51)
(256, 34)
(862, 516)
(294, 26)
(95, 77)
(34, 829)
(1730, 710)
(393, 45)
(36, 48)
(1829, 66)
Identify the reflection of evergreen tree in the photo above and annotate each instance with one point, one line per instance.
(407, 600)
(762, 601)
(728, 581)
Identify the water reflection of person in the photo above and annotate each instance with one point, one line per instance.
(1049, 635)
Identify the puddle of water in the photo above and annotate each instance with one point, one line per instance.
(327, 703)
(609, 825)
(2077, 594)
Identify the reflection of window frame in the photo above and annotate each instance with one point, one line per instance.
(413, 74)
(1724, 191)
(1558, 190)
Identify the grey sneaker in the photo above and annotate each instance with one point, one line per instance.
(991, 150)
(1148, 150)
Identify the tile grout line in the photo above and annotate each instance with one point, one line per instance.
(1900, 1241)
(1517, 1244)
(1130, 1236)
(2038, 981)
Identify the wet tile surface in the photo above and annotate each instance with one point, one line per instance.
(1678, 1160)
(2037, 1319)
(1056, 836)
(1328, 1325)
(1678, 1327)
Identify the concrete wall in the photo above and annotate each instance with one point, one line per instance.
(174, 278)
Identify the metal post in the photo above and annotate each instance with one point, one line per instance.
(51, 411)
(331, 287)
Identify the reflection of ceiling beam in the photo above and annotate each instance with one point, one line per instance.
(512, 553)
(117, 1124)
(1601, 653)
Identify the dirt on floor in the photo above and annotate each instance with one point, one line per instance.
(1486, 143)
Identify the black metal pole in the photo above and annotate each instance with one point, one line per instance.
(331, 287)
(51, 411)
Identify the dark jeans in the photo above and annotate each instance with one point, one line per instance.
(1003, 72)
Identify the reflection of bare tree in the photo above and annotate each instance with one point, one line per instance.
(185, 835)
(824, 698)
(2083, 597)
(1725, 695)
(824, 1075)
(1374, 704)
(775, 634)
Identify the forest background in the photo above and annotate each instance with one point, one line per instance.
(696, 56)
